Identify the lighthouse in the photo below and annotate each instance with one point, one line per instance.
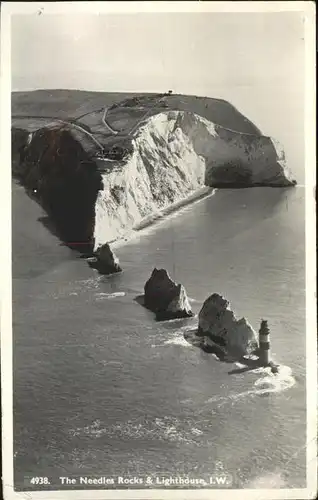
(264, 343)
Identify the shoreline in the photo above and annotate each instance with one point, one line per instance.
(196, 195)
(161, 216)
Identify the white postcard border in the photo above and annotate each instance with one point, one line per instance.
(10, 8)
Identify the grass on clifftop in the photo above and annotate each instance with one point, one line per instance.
(73, 104)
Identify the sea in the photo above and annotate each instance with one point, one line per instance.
(103, 390)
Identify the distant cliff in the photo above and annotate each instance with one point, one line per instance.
(105, 183)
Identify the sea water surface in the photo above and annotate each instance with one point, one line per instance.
(100, 388)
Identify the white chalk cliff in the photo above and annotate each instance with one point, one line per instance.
(98, 185)
(175, 153)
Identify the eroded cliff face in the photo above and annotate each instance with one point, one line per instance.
(97, 197)
(174, 153)
(164, 168)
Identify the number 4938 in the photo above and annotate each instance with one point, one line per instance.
(39, 480)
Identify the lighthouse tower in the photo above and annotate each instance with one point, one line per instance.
(264, 343)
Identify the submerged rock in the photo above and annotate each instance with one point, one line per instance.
(167, 299)
(222, 330)
(105, 261)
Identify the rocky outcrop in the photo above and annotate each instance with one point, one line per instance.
(220, 329)
(105, 261)
(164, 297)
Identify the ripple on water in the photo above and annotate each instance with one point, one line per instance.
(163, 429)
(178, 339)
(168, 336)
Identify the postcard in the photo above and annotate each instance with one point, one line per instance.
(158, 300)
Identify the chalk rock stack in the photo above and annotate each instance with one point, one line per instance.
(164, 297)
(221, 329)
(105, 261)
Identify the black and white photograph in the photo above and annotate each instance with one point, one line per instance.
(158, 299)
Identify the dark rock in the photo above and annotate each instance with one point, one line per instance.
(57, 172)
(118, 193)
(274, 367)
(105, 261)
(167, 299)
(221, 329)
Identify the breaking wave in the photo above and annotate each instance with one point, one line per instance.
(101, 295)
(270, 382)
(266, 384)
(191, 299)
(178, 339)
(174, 336)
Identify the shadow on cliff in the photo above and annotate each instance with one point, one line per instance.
(57, 173)
(237, 173)
(36, 250)
(83, 249)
